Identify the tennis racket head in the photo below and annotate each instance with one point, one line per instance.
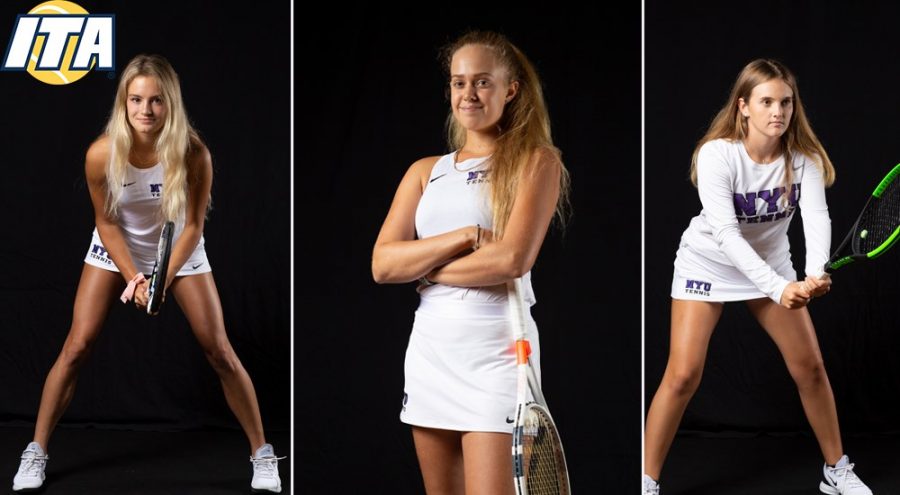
(539, 463)
(157, 288)
(878, 227)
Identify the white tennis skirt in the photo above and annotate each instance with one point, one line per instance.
(144, 260)
(460, 366)
(712, 288)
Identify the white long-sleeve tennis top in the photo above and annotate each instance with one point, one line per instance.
(741, 232)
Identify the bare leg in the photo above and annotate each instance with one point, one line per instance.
(96, 291)
(488, 463)
(198, 298)
(440, 455)
(793, 333)
(693, 323)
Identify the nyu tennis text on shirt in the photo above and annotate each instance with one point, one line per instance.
(477, 177)
(745, 205)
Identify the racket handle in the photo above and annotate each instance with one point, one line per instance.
(516, 307)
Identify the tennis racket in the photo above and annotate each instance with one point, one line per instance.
(876, 229)
(157, 289)
(539, 464)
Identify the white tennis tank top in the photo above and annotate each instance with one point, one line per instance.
(139, 212)
(456, 196)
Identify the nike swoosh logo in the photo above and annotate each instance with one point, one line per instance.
(436, 178)
(194, 267)
(129, 184)
(510, 420)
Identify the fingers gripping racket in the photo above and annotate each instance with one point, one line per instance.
(157, 289)
(876, 229)
(539, 464)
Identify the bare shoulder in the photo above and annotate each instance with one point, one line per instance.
(421, 169)
(424, 165)
(545, 159)
(199, 159)
(198, 153)
(96, 158)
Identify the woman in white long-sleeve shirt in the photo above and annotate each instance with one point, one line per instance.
(757, 163)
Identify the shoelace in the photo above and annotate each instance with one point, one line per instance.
(32, 464)
(265, 466)
(846, 473)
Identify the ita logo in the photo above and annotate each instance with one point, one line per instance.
(58, 42)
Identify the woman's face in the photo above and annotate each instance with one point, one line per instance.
(769, 109)
(479, 88)
(145, 105)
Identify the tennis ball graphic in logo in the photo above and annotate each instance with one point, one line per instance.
(63, 75)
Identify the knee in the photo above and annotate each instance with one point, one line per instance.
(683, 381)
(75, 352)
(222, 358)
(809, 373)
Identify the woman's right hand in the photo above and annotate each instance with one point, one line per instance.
(141, 296)
(795, 295)
(816, 286)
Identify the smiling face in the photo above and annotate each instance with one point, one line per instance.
(769, 109)
(145, 105)
(479, 88)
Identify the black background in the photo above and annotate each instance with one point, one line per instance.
(369, 92)
(149, 373)
(840, 53)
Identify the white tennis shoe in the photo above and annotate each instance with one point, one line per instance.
(651, 486)
(265, 470)
(841, 480)
(31, 470)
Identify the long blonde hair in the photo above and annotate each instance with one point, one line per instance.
(799, 137)
(176, 138)
(524, 127)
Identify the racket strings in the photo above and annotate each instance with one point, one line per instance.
(880, 221)
(543, 459)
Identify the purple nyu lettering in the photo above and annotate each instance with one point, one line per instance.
(794, 198)
(698, 284)
(745, 204)
(771, 198)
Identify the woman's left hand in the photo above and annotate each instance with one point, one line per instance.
(817, 286)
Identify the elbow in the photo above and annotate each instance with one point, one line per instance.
(380, 273)
(379, 276)
(387, 269)
(724, 234)
(516, 264)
